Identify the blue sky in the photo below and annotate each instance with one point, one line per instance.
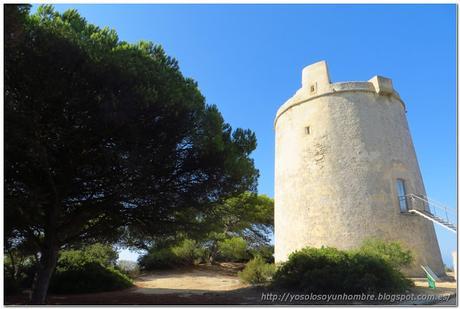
(247, 59)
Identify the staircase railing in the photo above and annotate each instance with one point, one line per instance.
(433, 207)
(432, 210)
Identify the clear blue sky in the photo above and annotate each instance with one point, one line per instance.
(247, 59)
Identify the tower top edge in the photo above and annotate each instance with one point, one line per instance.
(316, 82)
(316, 77)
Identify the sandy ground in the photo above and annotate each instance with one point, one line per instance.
(445, 289)
(197, 281)
(206, 285)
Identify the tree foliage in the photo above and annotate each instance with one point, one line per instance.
(233, 249)
(248, 216)
(104, 138)
(165, 256)
(102, 254)
(88, 269)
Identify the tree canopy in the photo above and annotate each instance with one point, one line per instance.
(248, 216)
(104, 136)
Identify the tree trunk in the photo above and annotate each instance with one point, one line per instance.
(13, 264)
(213, 253)
(48, 261)
(50, 248)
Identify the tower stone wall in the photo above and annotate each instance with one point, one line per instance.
(340, 148)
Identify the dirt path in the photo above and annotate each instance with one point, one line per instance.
(198, 281)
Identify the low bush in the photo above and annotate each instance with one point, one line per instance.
(233, 249)
(86, 278)
(90, 269)
(187, 252)
(96, 253)
(392, 252)
(328, 270)
(264, 251)
(158, 258)
(257, 271)
(20, 277)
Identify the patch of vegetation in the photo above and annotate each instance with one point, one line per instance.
(257, 271)
(264, 251)
(19, 272)
(87, 278)
(187, 252)
(233, 249)
(90, 269)
(96, 253)
(247, 217)
(393, 252)
(329, 270)
(158, 258)
(92, 111)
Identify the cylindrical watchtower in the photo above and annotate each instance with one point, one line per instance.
(344, 163)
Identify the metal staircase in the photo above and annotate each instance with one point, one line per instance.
(433, 211)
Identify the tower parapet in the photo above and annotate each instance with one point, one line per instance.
(316, 82)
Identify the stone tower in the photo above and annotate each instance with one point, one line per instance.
(344, 162)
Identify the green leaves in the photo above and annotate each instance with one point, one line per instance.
(105, 139)
(233, 249)
(104, 136)
(96, 253)
(257, 271)
(392, 252)
(333, 271)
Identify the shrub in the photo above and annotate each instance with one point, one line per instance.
(97, 253)
(370, 273)
(264, 251)
(257, 271)
(161, 258)
(90, 269)
(88, 277)
(20, 277)
(392, 252)
(187, 252)
(233, 249)
(328, 270)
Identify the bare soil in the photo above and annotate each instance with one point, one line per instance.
(197, 281)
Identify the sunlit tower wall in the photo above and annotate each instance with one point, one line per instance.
(344, 160)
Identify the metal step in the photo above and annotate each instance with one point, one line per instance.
(427, 215)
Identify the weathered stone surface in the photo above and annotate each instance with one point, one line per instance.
(339, 150)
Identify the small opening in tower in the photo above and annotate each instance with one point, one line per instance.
(312, 88)
(307, 130)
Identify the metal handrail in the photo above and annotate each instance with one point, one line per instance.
(435, 205)
(432, 200)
